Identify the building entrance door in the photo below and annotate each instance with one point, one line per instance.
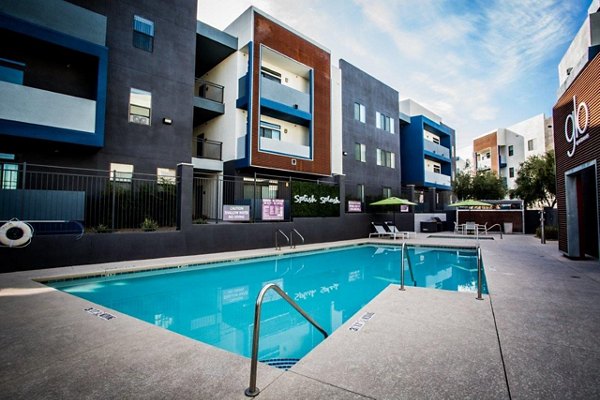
(582, 211)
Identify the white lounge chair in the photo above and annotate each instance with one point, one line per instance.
(459, 228)
(398, 233)
(380, 231)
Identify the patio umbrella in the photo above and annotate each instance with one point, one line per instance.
(393, 201)
(470, 203)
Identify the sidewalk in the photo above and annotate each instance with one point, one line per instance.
(536, 335)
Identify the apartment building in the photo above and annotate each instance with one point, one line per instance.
(277, 98)
(576, 117)
(503, 150)
(93, 84)
(427, 151)
(371, 140)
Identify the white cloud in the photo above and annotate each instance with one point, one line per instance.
(467, 61)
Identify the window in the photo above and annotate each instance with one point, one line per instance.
(435, 139)
(360, 152)
(511, 150)
(270, 131)
(384, 122)
(121, 172)
(360, 192)
(387, 192)
(360, 112)
(530, 145)
(487, 155)
(11, 71)
(165, 176)
(140, 105)
(143, 33)
(386, 158)
(511, 172)
(270, 74)
(437, 169)
(9, 173)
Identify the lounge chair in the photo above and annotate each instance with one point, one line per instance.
(396, 232)
(380, 231)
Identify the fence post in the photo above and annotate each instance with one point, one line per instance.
(185, 182)
(217, 201)
(254, 201)
(113, 186)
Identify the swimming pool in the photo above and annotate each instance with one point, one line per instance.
(215, 303)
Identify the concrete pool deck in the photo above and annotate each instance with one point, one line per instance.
(537, 335)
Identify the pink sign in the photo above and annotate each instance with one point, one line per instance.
(272, 209)
(354, 206)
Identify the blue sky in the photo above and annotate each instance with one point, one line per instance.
(479, 64)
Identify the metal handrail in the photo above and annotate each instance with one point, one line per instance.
(479, 273)
(277, 247)
(402, 266)
(412, 275)
(498, 225)
(252, 390)
(292, 246)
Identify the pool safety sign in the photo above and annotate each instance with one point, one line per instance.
(359, 323)
(236, 213)
(99, 313)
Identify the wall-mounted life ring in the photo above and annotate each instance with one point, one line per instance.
(15, 233)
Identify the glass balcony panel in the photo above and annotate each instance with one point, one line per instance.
(436, 148)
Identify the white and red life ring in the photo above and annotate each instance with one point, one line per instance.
(16, 233)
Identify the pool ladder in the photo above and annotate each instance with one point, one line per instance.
(252, 390)
(290, 239)
(292, 245)
(479, 270)
(277, 233)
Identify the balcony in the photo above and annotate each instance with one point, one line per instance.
(283, 102)
(484, 164)
(285, 148)
(208, 101)
(436, 149)
(502, 162)
(437, 179)
(48, 109)
(208, 155)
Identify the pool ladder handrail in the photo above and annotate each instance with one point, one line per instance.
(292, 245)
(403, 256)
(498, 225)
(252, 390)
(479, 272)
(277, 246)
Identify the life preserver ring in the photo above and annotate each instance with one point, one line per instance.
(15, 233)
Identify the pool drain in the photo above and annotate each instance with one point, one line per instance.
(281, 363)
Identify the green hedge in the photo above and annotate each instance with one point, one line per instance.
(550, 232)
(309, 200)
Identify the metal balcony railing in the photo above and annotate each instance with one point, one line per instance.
(208, 90)
(209, 149)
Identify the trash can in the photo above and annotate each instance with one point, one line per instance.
(508, 227)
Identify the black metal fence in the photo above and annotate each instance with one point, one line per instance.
(103, 200)
(266, 197)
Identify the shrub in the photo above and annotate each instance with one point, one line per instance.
(149, 225)
(201, 221)
(102, 229)
(550, 231)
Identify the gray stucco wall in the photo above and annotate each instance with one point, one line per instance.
(358, 86)
(63, 250)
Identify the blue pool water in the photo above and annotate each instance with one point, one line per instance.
(215, 303)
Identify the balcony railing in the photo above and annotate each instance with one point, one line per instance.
(210, 149)
(282, 147)
(437, 178)
(436, 148)
(208, 90)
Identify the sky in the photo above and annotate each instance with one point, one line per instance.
(479, 64)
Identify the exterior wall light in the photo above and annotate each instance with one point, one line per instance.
(167, 121)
